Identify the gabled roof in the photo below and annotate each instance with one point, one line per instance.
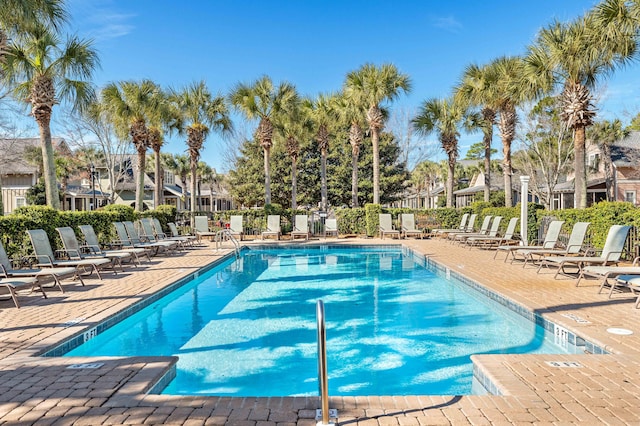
(12, 160)
(626, 152)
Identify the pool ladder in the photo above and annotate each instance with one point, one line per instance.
(324, 413)
(225, 234)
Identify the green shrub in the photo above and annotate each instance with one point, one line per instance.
(372, 212)
(351, 221)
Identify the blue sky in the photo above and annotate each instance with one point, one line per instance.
(314, 44)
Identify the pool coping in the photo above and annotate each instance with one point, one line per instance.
(485, 377)
(35, 390)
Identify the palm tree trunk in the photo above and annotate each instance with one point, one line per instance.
(507, 126)
(267, 176)
(487, 166)
(294, 183)
(354, 179)
(580, 189)
(506, 165)
(194, 170)
(608, 171)
(323, 178)
(375, 142)
(48, 165)
(158, 180)
(450, 172)
(140, 179)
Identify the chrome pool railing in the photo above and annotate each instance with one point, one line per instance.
(226, 234)
(323, 414)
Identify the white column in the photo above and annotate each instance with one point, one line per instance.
(524, 207)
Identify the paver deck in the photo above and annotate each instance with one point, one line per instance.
(535, 389)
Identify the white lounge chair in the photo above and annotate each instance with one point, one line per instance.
(273, 227)
(235, 227)
(460, 228)
(632, 282)
(495, 241)
(550, 241)
(409, 226)
(13, 285)
(385, 227)
(43, 274)
(611, 253)
(469, 228)
(491, 233)
(46, 258)
(201, 224)
(74, 251)
(331, 227)
(93, 245)
(300, 227)
(483, 231)
(573, 247)
(607, 272)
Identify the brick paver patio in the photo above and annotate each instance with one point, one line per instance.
(535, 389)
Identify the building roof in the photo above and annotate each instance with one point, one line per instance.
(568, 186)
(12, 160)
(626, 152)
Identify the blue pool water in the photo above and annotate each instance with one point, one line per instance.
(247, 327)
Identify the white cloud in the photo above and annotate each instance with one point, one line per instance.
(447, 23)
(100, 19)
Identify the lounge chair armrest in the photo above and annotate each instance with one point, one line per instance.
(71, 254)
(573, 245)
(91, 249)
(612, 253)
(635, 261)
(41, 259)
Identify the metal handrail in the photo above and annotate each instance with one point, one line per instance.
(323, 380)
(219, 238)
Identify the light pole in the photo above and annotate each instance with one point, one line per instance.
(93, 186)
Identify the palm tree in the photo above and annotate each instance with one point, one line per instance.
(323, 116)
(443, 116)
(350, 113)
(424, 174)
(210, 178)
(374, 86)
(18, 16)
(133, 107)
(42, 72)
(201, 113)
(293, 127)
(263, 101)
(604, 134)
(476, 88)
(505, 93)
(575, 55)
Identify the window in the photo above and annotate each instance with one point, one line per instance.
(169, 178)
(630, 197)
(21, 201)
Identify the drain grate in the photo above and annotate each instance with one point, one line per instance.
(73, 321)
(564, 364)
(86, 366)
(576, 318)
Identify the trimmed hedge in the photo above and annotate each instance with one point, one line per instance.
(358, 221)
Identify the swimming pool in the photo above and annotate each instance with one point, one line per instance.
(247, 327)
